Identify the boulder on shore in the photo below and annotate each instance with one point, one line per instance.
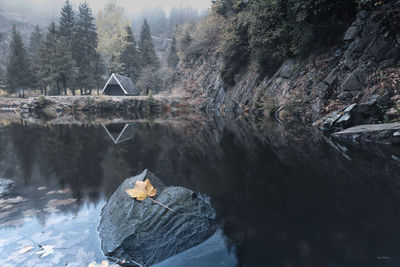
(145, 232)
(5, 186)
(388, 133)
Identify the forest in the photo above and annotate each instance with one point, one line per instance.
(81, 50)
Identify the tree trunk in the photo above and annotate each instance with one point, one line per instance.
(65, 87)
(58, 87)
(81, 91)
(23, 92)
(73, 90)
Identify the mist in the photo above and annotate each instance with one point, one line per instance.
(131, 7)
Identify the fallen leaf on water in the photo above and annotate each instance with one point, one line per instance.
(7, 213)
(142, 190)
(46, 251)
(30, 212)
(62, 191)
(54, 203)
(25, 249)
(102, 264)
(12, 200)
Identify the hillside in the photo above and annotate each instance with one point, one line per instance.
(362, 67)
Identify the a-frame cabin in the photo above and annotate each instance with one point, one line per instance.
(118, 85)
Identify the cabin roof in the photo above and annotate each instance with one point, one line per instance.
(125, 83)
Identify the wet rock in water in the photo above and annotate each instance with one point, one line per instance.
(214, 252)
(388, 133)
(5, 186)
(147, 233)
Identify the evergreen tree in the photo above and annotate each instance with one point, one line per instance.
(65, 64)
(67, 21)
(148, 57)
(2, 79)
(34, 45)
(85, 53)
(47, 59)
(130, 56)
(173, 58)
(99, 70)
(18, 73)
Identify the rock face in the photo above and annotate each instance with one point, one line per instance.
(5, 186)
(388, 134)
(147, 233)
(324, 83)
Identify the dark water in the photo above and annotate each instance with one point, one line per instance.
(287, 196)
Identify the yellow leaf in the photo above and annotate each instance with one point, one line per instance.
(25, 249)
(150, 190)
(142, 190)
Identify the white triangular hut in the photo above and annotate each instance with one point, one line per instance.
(119, 85)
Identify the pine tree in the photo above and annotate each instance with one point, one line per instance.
(2, 79)
(130, 56)
(148, 57)
(34, 45)
(65, 64)
(47, 59)
(99, 70)
(18, 72)
(85, 53)
(173, 58)
(67, 21)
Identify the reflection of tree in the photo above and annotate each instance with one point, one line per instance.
(70, 154)
(24, 145)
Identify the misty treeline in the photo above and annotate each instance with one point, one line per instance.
(80, 51)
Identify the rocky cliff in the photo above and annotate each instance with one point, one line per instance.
(364, 69)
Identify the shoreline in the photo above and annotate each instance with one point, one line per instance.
(54, 106)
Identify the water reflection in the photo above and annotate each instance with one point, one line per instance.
(120, 132)
(287, 196)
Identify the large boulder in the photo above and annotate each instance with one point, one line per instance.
(5, 186)
(368, 112)
(147, 233)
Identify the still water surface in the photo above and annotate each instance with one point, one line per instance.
(287, 196)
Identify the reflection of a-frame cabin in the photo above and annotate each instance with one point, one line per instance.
(120, 132)
(118, 85)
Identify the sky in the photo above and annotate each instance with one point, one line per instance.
(130, 6)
